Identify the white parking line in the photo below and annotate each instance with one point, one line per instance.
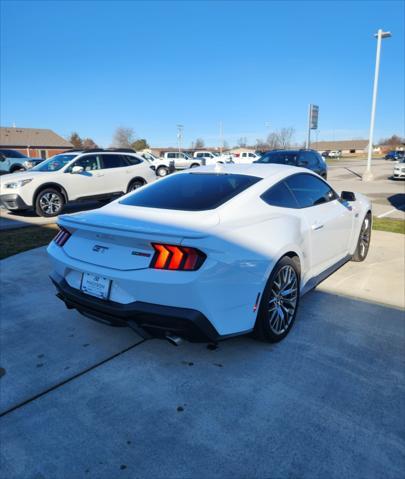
(391, 211)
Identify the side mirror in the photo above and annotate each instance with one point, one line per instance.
(348, 196)
(77, 169)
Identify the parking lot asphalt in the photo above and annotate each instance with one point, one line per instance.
(387, 195)
(80, 399)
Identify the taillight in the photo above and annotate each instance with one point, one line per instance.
(176, 258)
(63, 235)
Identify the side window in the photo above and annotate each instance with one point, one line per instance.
(88, 163)
(171, 155)
(133, 160)
(310, 190)
(251, 155)
(113, 161)
(280, 195)
(306, 159)
(200, 155)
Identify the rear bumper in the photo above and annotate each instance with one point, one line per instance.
(13, 202)
(157, 320)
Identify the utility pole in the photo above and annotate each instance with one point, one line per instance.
(221, 137)
(368, 175)
(180, 129)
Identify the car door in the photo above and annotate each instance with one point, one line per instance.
(90, 182)
(330, 220)
(117, 172)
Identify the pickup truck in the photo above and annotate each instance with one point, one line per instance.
(245, 157)
(181, 161)
(211, 158)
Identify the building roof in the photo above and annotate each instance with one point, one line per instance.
(31, 137)
(340, 145)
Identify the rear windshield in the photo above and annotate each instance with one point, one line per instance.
(191, 191)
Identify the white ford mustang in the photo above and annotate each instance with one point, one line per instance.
(211, 252)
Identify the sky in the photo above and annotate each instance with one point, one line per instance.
(93, 66)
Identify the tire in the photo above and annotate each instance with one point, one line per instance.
(363, 243)
(134, 185)
(162, 171)
(49, 203)
(277, 311)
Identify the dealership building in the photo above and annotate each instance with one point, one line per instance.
(33, 142)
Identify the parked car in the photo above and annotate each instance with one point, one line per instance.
(176, 159)
(212, 158)
(72, 176)
(12, 161)
(310, 159)
(213, 252)
(334, 154)
(399, 169)
(245, 157)
(395, 155)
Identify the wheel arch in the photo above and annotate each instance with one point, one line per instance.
(16, 167)
(44, 186)
(136, 178)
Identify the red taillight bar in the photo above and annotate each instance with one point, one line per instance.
(62, 236)
(176, 258)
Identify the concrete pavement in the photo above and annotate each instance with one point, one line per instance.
(387, 195)
(80, 399)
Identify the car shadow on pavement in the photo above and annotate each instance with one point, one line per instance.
(397, 201)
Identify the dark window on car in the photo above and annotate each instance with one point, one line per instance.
(171, 155)
(280, 157)
(310, 190)
(280, 195)
(308, 159)
(113, 161)
(191, 191)
(88, 163)
(12, 154)
(132, 160)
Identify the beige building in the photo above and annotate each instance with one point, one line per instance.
(347, 147)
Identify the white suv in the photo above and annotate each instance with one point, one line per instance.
(73, 176)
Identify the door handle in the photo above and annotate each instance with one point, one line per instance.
(316, 226)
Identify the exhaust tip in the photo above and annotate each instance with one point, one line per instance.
(174, 340)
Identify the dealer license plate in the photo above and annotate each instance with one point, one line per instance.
(96, 285)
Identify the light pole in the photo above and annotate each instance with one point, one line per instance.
(368, 175)
(180, 137)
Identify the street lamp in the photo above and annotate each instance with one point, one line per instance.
(368, 175)
(180, 137)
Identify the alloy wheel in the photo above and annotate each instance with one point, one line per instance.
(365, 237)
(50, 203)
(283, 300)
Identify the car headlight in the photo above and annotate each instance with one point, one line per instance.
(18, 184)
(28, 164)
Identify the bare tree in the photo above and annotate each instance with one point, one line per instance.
(123, 137)
(393, 140)
(199, 143)
(75, 139)
(261, 145)
(285, 136)
(273, 141)
(242, 142)
(88, 143)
